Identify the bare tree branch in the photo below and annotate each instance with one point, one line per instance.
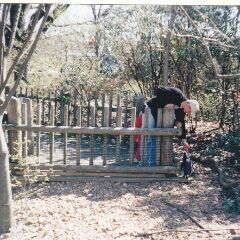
(24, 64)
(212, 40)
(214, 25)
(167, 46)
(5, 11)
(14, 30)
(99, 11)
(22, 52)
(217, 75)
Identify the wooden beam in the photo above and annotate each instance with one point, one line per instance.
(97, 130)
(107, 169)
(102, 179)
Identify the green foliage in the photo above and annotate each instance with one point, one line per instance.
(226, 146)
(230, 142)
(133, 39)
(209, 107)
(231, 202)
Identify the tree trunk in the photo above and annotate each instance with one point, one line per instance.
(167, 46)
(5, 186)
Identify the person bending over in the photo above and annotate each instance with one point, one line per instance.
(171, 98)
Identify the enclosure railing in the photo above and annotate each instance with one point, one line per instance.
(101, 149)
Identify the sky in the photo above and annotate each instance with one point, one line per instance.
(75, 13)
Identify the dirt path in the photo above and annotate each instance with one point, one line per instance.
(121, 211)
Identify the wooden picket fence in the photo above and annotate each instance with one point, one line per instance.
(21, 127)
(62, 98)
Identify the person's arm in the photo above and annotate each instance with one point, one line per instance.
(180, 115)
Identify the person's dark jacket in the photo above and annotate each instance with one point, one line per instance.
(169, 95)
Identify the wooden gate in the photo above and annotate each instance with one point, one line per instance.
(39, 153)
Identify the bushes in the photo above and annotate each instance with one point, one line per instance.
(231, 202)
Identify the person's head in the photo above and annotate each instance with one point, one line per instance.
(190, 107)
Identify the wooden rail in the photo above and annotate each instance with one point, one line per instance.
(97, 130)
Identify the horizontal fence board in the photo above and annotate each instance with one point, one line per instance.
(92, 174)
(98, 130)
(102, 179)
(107, 169)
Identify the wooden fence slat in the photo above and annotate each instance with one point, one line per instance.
(159, 139)
(167, 142)
(49, 106)
(105, 140)
(69, 114)
(118, 105)
(24, 133)
(14, 136)
(75, 108)
(61, 108)
(91, 136)
(52, 118)
(65, 135)
(88, 109)
(110, 109)
(78, 136)
(37, 96)
(125, 111)
(38, 133)
(96, 106)
(103, 105)
(118, 138)
(133, 121)
(30, 133)
(43, 111)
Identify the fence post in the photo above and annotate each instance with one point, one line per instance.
(61, 108)
(30, 124)
(26, 92)
(125, 110)
(49, 106)
(88, 109)
(158, 138)
(118, 105)
(65, 134)
(105, 140)
(43, 110)
(167, 142)
(24, 133)
(96, 106)
(133, 121)
(55, 107)
(38, 133)
(118, 140)
(15, 137)
(52, 118)
(75, 108)
(37, 96)
(103, 105)
(78, 137)
(92, 124)
(110, 109)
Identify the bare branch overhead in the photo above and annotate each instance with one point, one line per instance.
(217, 75)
